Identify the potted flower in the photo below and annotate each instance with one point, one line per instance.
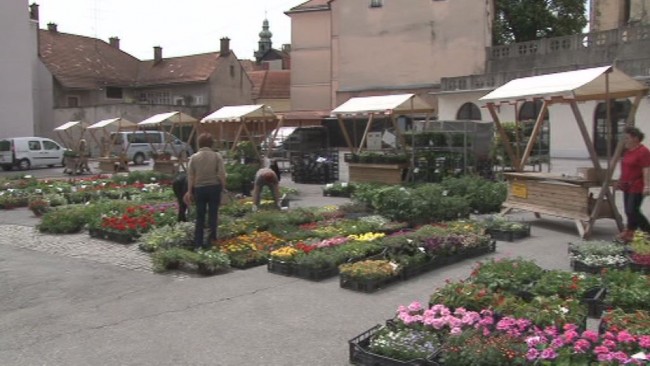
(627, 290)
(501, 229)
(593, 256)
(367, 275)
(461, 294)
(506, 274)
(210, 262)
(616, 320)
(640, 255)
(39, 206)
(390, 345)
(472, 347)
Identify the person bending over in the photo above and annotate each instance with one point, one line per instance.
(268, 175)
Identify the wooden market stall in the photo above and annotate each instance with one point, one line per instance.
(163, 161)
(568, 197)
(111, 159)
(244, 115)
(71, 134)
(391, 107)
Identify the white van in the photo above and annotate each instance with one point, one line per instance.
(27, 152)
(140, 145)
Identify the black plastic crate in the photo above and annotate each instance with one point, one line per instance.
(593, 298)
(420, 268)
(482, 250)
(280, 267)
(120, 238)
(367, 286)
(509, 235)
(315, 274)
(359, 355)
(636, 267)
(251, 264)
(578, 266)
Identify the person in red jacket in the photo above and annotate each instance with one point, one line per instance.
(634, 182)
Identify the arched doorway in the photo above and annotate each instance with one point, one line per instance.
(468, 112)
(619, 110)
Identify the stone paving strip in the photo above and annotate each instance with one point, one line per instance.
(77, 246)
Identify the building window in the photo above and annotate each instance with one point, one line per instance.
(468, 112)
(619, 111)
(527, 116)
(113, 93)
(232, 71)
(157, 97)
(72, 101)
(376, 3)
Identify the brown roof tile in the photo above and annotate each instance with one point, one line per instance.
(174, 70)
(84, 62)
(271, 84)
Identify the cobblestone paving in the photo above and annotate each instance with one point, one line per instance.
(76, 246)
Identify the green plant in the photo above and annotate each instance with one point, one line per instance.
(169, 236)
(473, 348)
(506, 274)
(636, 323)
(544, 311)
(502, 224)
(212, 261)
(565, 284)
(38, 205)
(56, 199)
(369, 270)
(460, 294)
(64, 220)
(172, 258)
(627, 290)
(318, 259)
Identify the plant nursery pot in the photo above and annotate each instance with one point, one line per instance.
(365, 285)
(280, 267)
(315, 274)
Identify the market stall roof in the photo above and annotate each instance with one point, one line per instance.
(238, 113)
(586, 84)
(387, 104)
(121, 122)
(68, 125)
(169, 117)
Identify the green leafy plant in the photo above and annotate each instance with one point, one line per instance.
(168, 236)
(565, 284)
(506, 274)
(369, 270)
(461, 294)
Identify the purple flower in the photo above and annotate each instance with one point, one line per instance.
(532, 354)
(549, 354)
(533, 341)
(551, 331)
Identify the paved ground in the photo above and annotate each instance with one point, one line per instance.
(73, 300)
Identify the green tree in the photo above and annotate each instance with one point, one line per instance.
(528, 20)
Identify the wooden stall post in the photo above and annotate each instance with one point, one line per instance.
(365, 132)
(345, 134)
(533, 137)
(504, 137)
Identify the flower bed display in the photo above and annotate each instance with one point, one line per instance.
(250, 250)
(369, 275)
(114, 236)
(595, 256)
(379, 345)
(639, 256)
(205, 263)
(504, 230)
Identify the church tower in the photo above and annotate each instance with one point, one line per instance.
(265, 43)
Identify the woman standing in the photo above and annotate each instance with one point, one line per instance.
(206, 177)
(634, 182)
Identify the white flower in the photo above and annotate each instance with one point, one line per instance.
(153, 179)
(564, 310)
(329, 185)
(27, 177)
(38, 190)
(344, 184)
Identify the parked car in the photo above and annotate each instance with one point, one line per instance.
(296, 139)
(27, 152)
(140, 145)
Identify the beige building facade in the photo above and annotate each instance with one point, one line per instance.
(612, 14)
(342, 49)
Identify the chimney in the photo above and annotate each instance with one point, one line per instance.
(225, 46)
(33, 12)
(157, 54)
(52, 27)
(114, 42)
(286, 48)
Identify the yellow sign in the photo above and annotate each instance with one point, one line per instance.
(519, 190)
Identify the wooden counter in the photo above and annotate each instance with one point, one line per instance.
(376, 173)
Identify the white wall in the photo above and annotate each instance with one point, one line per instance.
(19, 54)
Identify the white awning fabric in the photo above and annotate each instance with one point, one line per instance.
(119, 122)
(387, 104)
(68, 125)
(240, 112)
(587, 84)
(168, 118)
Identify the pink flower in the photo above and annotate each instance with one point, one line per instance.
(460, 311)
(610, 344)
(533, 341)
(569, 326)
(437, 323)
(549, 354)
(455, 331)
(605, 357)
(523, 324)
(406, 318)
(557, 343)
(609, 335)
(590, 335)
(625, 337)
(601, 350)
(581, 346)
(486, 332)
(415, 306)
(644, 341)
(551, 330)
(570, 335)
(620, 356)
(402, 309)
(532, 354)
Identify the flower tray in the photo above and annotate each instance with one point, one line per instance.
(359, 355)
(579, 266)
(636, 267)
(593, 298)
(482, 250)
(365, 285)
(121, 238)
(280, 267)
(204, 270)
(248, 265)
(315, 274)
(509, 235)
(336, 194)
(420, 268)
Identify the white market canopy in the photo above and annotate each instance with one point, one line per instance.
(120, 122)
(387, 104)
(169, 117)
(68, 125)
(239, 113)
(588, 84)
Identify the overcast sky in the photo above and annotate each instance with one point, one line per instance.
(180, 27)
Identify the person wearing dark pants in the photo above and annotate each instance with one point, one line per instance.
(634, 182)
(206, 177)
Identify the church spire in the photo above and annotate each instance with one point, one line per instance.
(265, 42)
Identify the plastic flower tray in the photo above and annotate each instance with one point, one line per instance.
(636, 267)
(121, 238)
(482, 250)
(420, 268)
(579, 266)
(280, 267)
(359, 355)
(251, 264)
(509, 235)
(365, 285)
(315, 274)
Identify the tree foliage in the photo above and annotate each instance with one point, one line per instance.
(528, 20)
